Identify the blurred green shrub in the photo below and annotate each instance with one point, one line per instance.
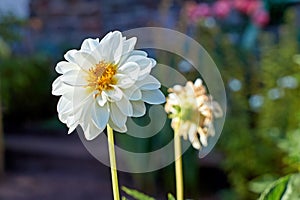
(263, 105)
(26, 87)
(25, 80)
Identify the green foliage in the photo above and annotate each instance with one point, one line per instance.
(290, 144)
(25, 85)
(252, 136)
(141, 196)
(171, 197)
(287, 187)
(9, 26)
(136, 194)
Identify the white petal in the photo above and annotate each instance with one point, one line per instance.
(69, 56)
(112, 45)
(85, 60)
(153, 96)
(125, 106)
(124, 81)
(74, 78)
(91, 131)
(101, 99)
(149, 83)
(72, 128)
(139, 108)
(192, 133)
(128, 45)
(183, 129)
(117, 117)
(114, 94)
(64, 105)
(90, 44)
(133, 93)
(63, 67)
(153, 62)
(198, 82)
(122, 129)
(196, 144)
(203, 139)
(59, 88)
(100, 116)
(130, 69)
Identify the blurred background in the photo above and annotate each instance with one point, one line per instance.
(255, 44)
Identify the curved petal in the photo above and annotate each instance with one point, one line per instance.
(124, 81)
(101, 99)
(59, 88)
(64, 66)
(64, 105)
(91, 131)
(74, 78)
(117, 117)
(130, 69)
(112, 45)
(192, 133)
(70, 56)
(90, 44)
(100, 116)
(128, 45)
(153, 96)
(133, 93)
(85, 60)
(114, 94)
(139, 108)
(122, 129)
(148, 83)
(125, 106)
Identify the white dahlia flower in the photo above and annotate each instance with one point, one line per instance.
(192, 111)
(104, 82)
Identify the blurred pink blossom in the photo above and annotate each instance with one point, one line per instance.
(247, 7)
(222, 8)
(261, 17)
(196, 11)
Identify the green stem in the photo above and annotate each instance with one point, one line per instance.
(113, 165)
(178, 164)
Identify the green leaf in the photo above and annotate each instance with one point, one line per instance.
(284, 188)
(259, 184)
(136, 194)
(275, 190)
(171, 197)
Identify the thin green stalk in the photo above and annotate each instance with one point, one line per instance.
(178, 164)
(113, 165)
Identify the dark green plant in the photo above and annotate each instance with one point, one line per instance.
(250, 138)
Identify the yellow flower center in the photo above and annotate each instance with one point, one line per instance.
(101, 77)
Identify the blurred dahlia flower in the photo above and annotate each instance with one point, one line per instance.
(192, 111)
(104, 82)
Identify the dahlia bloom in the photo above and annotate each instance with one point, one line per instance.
(104, 82)
(192, 111)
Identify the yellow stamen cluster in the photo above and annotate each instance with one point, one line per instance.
(101, 77)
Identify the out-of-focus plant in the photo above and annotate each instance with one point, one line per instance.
(262, 89)
(287, 187)
(6, 35)
(241, 19)
(22, 76)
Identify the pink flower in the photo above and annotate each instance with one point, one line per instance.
(261, 18)
(247, 7)
(203, 10)
(222, 8)
(194, 12)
